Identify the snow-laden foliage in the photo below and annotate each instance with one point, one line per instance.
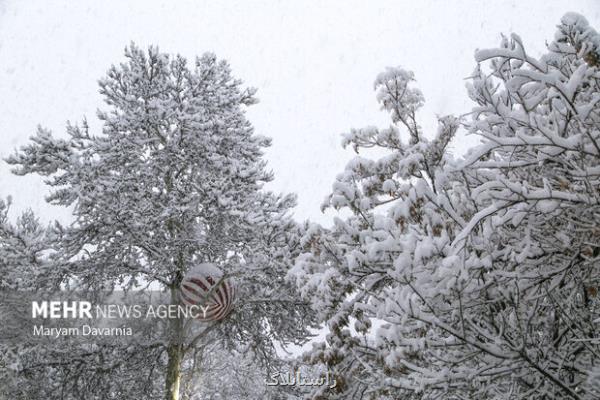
(471, 279)
(234, 375)
(22, 248)
(174, 179)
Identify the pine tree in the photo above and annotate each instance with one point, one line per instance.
(174, 179)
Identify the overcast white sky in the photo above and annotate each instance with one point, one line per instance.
(313, 62)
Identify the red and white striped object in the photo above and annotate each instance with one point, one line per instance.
(204, 286)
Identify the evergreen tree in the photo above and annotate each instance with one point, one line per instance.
(174, 179)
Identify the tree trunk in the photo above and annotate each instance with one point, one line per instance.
(175, 352)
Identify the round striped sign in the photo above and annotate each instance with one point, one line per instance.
(205, 287)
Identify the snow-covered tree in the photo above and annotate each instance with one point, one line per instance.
(235, 375)
(474, 279)
(22, 246)
(537, 176)
(174, 179)
(363, 273)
